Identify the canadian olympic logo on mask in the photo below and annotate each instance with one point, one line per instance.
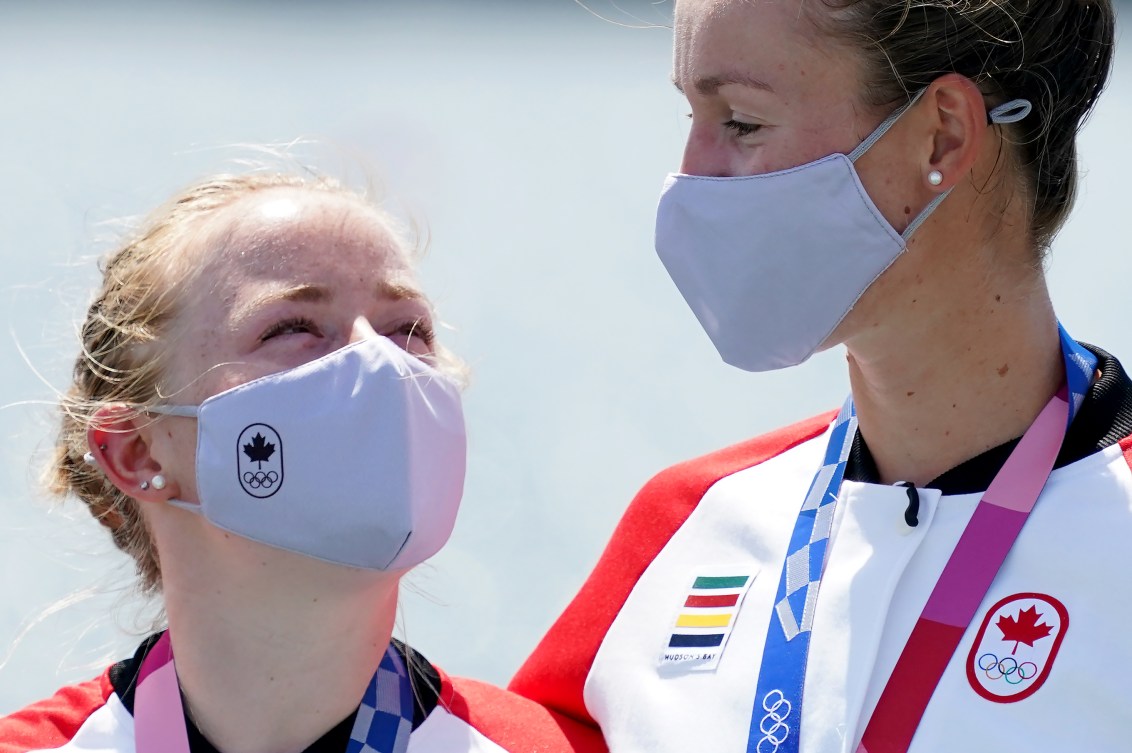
(259, 460)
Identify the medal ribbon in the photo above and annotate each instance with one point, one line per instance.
(973, 565)
(383, 723)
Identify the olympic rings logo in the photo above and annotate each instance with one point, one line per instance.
(773, 724)
(261, 480)
(1007, 668)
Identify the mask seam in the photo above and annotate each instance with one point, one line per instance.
(856, 300)
(239, 388)
(741, 178)
(875, 212)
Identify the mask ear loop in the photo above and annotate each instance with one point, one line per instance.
(884, 127)
(1009, 112)
(185, 411)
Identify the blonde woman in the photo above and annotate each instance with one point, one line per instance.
(262, 418)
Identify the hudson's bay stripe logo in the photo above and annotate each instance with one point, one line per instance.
(259, 460)
(706, 617)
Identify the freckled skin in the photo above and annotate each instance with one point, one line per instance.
(769, 91)
(248, 251)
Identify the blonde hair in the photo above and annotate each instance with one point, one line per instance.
(122, 360)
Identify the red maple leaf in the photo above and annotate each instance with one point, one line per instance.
(1024, 628)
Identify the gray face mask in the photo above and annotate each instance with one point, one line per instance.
(770, 264)
(356, 458)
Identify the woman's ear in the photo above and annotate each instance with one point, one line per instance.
(958, 118)
(119, 446)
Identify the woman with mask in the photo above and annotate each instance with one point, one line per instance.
(939, 565)
(262, 418)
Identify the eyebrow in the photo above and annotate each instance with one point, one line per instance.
(317, 293)
(398, 291)
(709, 85)
(298, 293)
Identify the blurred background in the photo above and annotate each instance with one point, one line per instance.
(530, 140)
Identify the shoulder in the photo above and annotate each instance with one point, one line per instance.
(675, 491)
(54, 722)
(494, 719)
(555, 673)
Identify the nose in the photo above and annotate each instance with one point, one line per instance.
(361, 330)
(705, 155)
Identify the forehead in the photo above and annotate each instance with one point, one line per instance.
(298, 236)
(770, 39)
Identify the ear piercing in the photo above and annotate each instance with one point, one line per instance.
(935, 177)
(88, 457)
(157, 483)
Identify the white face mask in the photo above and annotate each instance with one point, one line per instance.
(770, 264)
(356, 458)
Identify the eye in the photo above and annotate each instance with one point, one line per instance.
(740, 128)
(415, 335)
(291, 326)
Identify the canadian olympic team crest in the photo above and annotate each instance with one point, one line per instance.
(1016, 646)
(259, 460)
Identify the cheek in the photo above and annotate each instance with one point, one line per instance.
(174, 448)
(197, 367)
(893, 189)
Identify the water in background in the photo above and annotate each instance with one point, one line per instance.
(532, 138)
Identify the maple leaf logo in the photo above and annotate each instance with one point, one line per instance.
(259, 450)
(1024, 628)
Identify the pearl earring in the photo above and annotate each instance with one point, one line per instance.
(159, 482)
(935, 177)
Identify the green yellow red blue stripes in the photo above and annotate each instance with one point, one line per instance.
(705, 618)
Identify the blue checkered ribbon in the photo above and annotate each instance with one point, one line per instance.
(777, 715)
(385, 718)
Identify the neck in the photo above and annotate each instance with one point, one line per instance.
(950, 379)
(270, 662)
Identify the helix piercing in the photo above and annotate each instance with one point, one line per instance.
(935, 177)
(88, 457)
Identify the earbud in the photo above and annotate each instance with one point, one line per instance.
(935, 177)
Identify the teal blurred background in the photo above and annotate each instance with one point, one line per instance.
(530, 140)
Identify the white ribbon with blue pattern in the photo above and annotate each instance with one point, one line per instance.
(385, 717)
